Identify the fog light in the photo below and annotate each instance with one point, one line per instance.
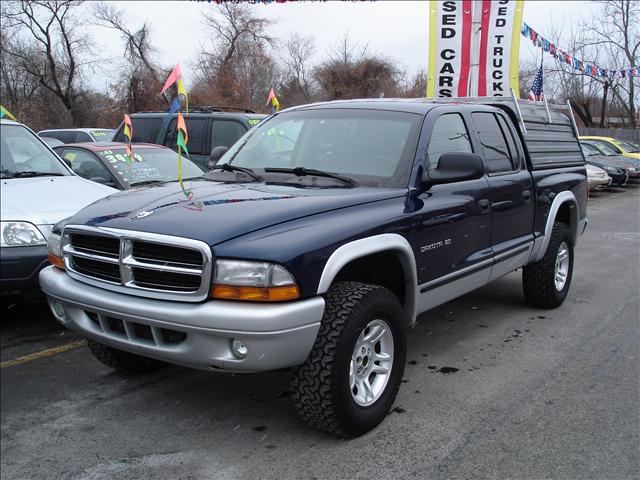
(57, 309)
(239, 348)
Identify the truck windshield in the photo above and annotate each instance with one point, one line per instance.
(24, 154)
(373, 147)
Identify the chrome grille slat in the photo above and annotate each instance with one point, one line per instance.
(79, 253)
(161, 268)
(150, 265)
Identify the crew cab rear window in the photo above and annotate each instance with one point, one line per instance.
(449, 134)
(494, 144)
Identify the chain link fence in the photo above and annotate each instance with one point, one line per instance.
(631, 134)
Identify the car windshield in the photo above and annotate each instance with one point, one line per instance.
(589, 150)
(149, 165)
(604, 148)
(23, 154)
(102, 134)
(372, 147)
(628, 146)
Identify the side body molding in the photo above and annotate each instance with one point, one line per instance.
(367, 246)
(542, 242)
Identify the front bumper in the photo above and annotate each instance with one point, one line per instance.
(19, 268)
(197, 335)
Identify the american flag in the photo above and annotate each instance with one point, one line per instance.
(536, 94)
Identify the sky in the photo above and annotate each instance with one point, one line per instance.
(397, 30)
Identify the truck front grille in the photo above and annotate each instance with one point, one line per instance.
(139, 263)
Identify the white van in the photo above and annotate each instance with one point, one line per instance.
(37, 190)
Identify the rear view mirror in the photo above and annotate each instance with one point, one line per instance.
(454, 167)
(216, 154)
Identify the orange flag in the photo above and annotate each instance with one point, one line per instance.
(172, 78)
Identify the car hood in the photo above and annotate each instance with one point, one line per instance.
(215, 211)
(47, 200)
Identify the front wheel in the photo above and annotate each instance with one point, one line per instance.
(352, 375)
(547, 281)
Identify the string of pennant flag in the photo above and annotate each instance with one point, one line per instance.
(584, 67)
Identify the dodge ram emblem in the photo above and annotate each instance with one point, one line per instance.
(143, 213)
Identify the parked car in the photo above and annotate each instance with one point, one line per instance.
(619, 175)
(38, 190)
(318, 239)
(620, 147)
(107, 163)
(52, 142)
(632, 165)
(597, 178)
(209, 127)
(77, 135)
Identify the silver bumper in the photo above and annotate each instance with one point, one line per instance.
(197, 335)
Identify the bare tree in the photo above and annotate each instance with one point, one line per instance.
(615, 29)
(298, 82)
(350, 72)
(49, 47)
(140, 87)
(235, 33)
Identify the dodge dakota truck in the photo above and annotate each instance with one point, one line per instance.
(317, 239)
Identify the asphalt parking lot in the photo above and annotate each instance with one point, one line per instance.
(492, 389)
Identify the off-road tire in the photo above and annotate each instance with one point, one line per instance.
(124, 362)
(320, 387)
(538, 278)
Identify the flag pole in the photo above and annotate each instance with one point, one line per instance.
(544, 97)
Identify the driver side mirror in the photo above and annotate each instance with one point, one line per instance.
(216, 154)
(454, 167)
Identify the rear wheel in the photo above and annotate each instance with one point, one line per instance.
(125, 362)
(352, 375)
(547, 281)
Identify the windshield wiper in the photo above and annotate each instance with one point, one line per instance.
(31, 173)
(303, 172)
(227, 167)
(145, 182)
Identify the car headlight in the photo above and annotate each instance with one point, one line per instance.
(20, 234)
(256, 281)
(610, 169)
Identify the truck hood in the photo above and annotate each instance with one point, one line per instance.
(215, 211)
(47, 200)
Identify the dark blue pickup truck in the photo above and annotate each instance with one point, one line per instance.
(318, 238)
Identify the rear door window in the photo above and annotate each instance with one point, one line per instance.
(196, 131)
(494, 144)
(144, 130)
(515, 155)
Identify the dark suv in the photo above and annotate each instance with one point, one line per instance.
(208, 127)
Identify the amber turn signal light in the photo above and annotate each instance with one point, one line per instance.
(56, 261)
(256, 294)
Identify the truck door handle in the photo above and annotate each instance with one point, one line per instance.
(526, 196)
(485, 206)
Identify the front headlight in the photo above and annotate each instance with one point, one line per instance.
(20, 234)
(257, 281)
(610, 169)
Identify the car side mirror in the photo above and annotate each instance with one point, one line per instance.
(216, 154)
(454, 167)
